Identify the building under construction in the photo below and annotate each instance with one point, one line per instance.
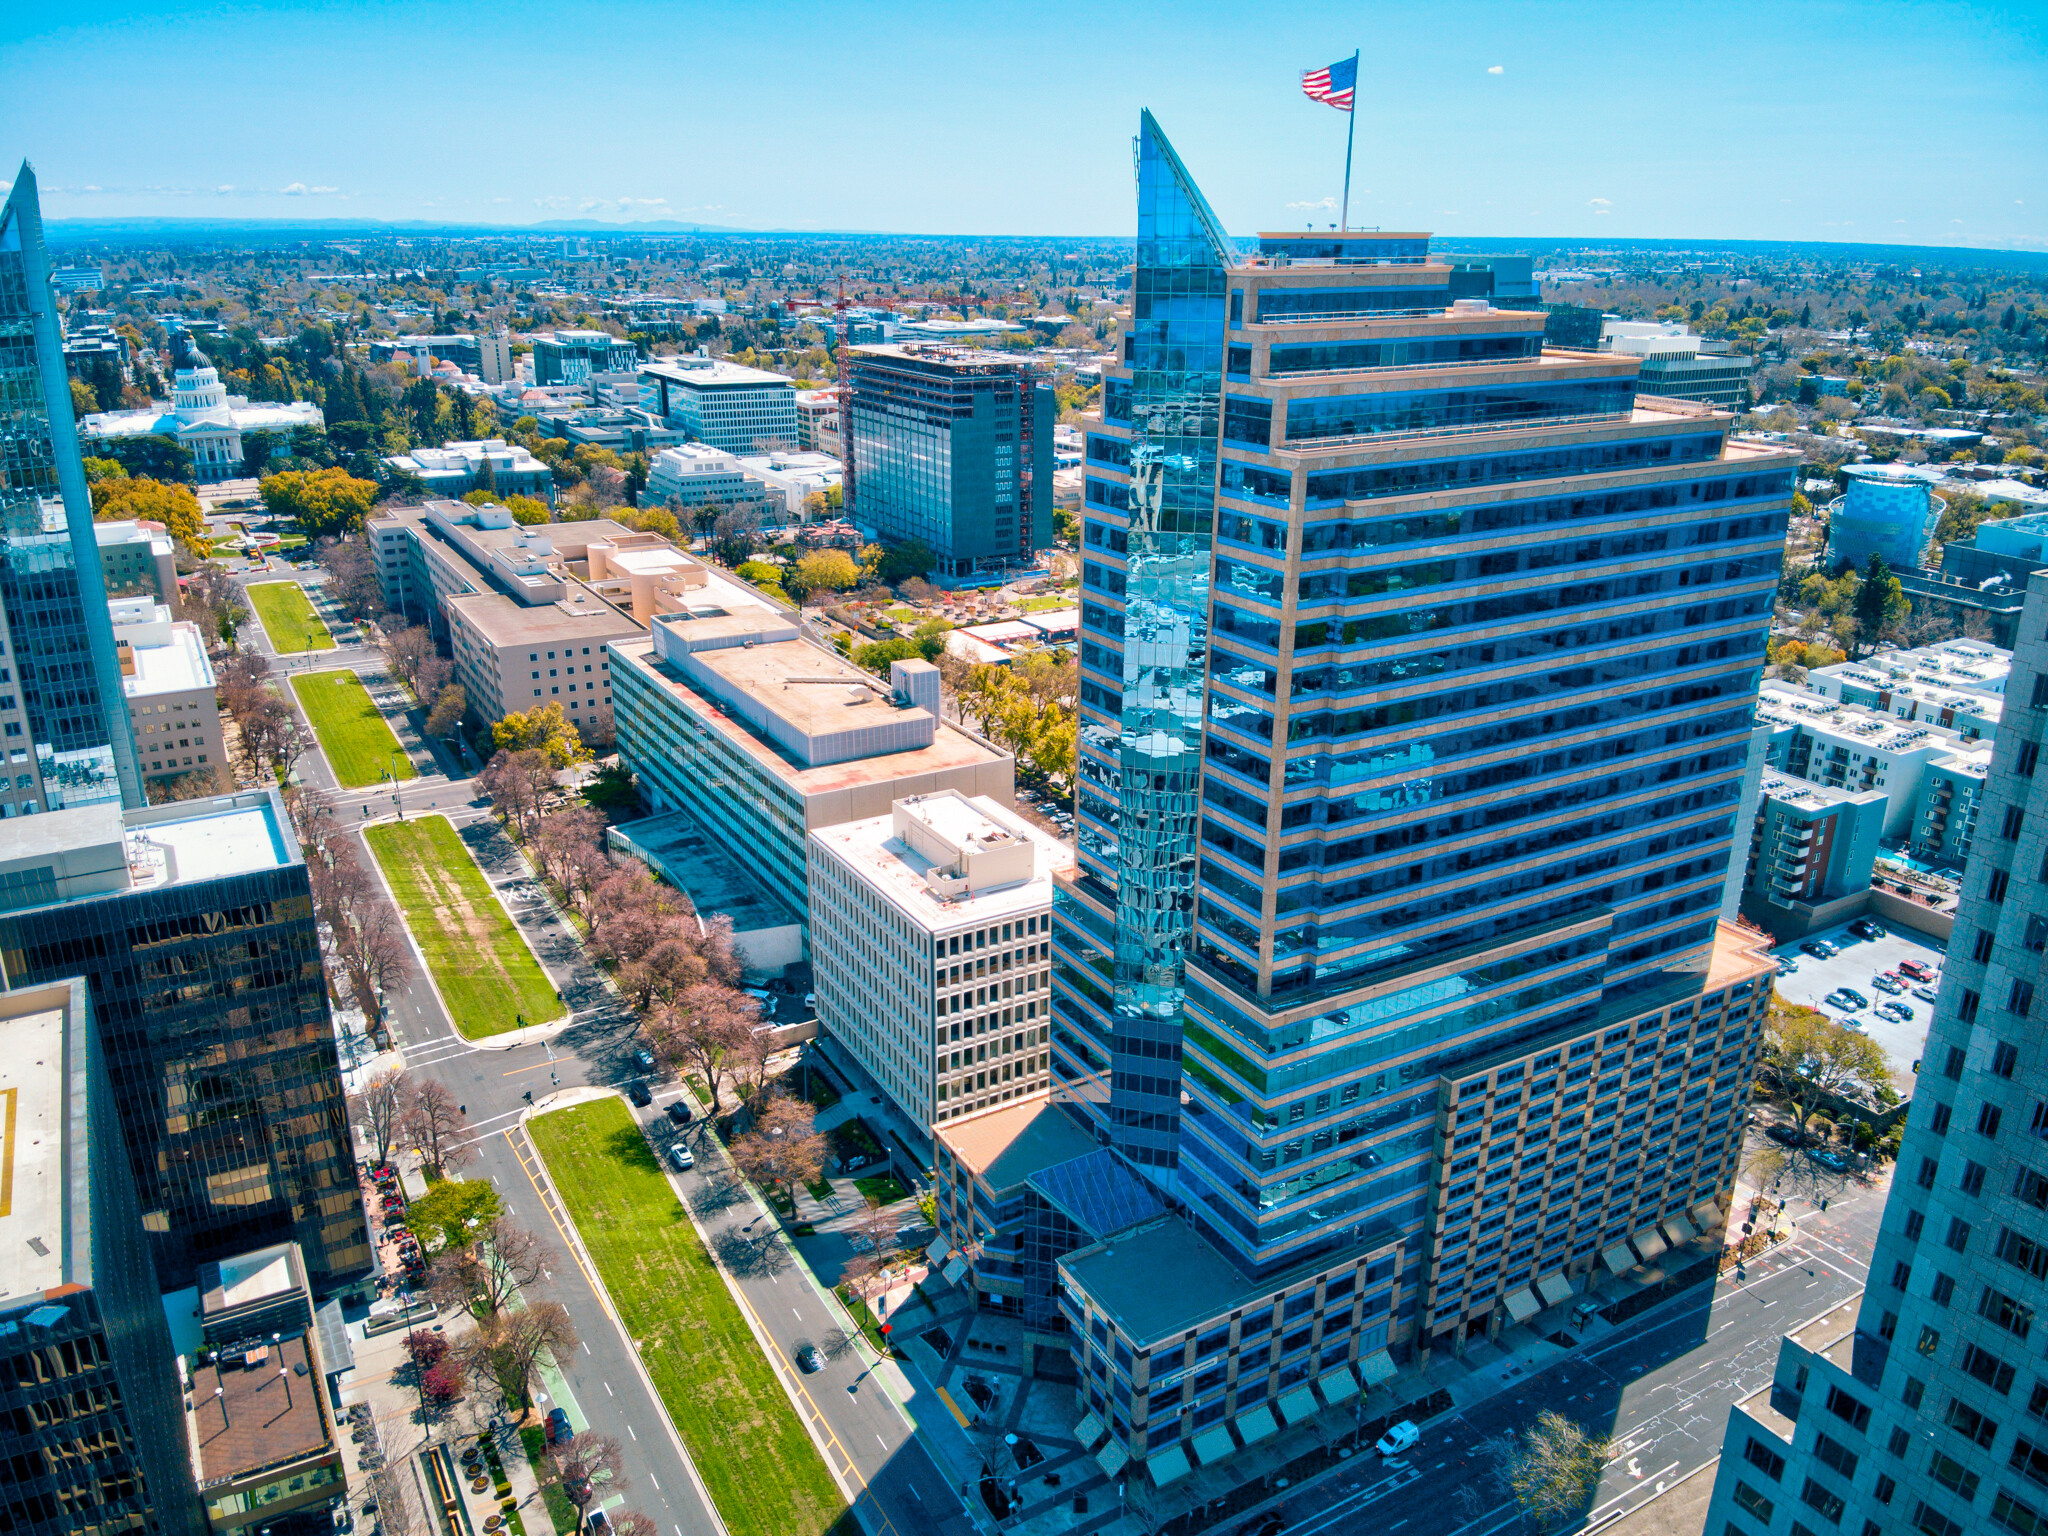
(951, 446)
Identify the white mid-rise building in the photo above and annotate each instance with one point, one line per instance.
(742, 410)
(169, 685)
(792, 479)
(931, 947)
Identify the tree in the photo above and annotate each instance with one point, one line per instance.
(543, 728)
(211, 599)
(434, 1123)
(152, 501)
(450, 1212)
(736, 534)
(323, 501)
(706, 1029)
(1880, 600)
(562, 841)
(782, 1147)
(445, 718)
(1812, 1058)
(351, 576)
(485, 1275)
(1554, 1469)
(156, 455)
(515, 783)
(508, 1347)
(527, 510)
(824, 570)
(581, 1463)
(380, 1108)
(406, 652)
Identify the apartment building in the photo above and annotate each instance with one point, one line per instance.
(1958, 685)
(1810, 853)
(931, 951)
(192, 925)
(724, 712)
(168, 682)
(1923, 1406)
(90, 1428)
(741, 410)
(1853, 746)
(1417, 668)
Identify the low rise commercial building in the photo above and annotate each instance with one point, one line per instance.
(817, 421)
(742, 410)
(698, 475)
(790, 480)
(1680, 365)
(724, 712)
(931, 951)
(492, 464)
(169, 684)
(90, 1435)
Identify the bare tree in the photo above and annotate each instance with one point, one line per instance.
(1555, 1470)
(485, 1276)
(630, 1522)
(707, 1029)
(559, 840)
(351, 576)
(381, 1107)
(397, 1514)
(210, 599)
(507, 1348)
(583, 1462)
(406, 651)
(374, 952)
(434, 1123)
(782, 1148)
(517, 783)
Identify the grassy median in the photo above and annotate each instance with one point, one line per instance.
(752, 1451)
(482, 967)
(358, 741)
(288, 618)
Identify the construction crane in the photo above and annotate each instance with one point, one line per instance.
(845, 382)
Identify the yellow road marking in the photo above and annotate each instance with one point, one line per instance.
(947, 1398)
(534, 1068)
(547, 1203)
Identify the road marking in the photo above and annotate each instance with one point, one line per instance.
(517, 1070)
(947, 1398)
(586, 1346)
(653, 1479)
(881, 1442)
(629, 1430)
(608, 1392)
(796, 1314)
(914, 1493)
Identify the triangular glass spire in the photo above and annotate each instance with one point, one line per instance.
(1171, 207)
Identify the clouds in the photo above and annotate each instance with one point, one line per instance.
(1601, 207)
(1496, 69)
(1320, 205)
(300, 189)
(223, 189)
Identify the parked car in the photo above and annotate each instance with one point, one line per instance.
(1841, 999)
(1787, 965)
(1919, 970)
(1856, 998)
(1890, 984)
(558, 1426)
(599, 1526)
(1831, 1159)
(1820, 949)
(1865, 928)
(1927, 994)
(679, 1111)
(679, 1157)
(1398, 1439)
(809, 1360)
(643, 1059)
(637, 1091)
(810, 1002)
(1898, 1013)
(764, 997)
(1786, 1135)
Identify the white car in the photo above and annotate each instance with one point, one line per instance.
(1398, 1439)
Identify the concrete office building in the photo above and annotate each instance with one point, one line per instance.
(571, 357)
(137, 559)
(723, 712)
(1810, 853)
(931, 951)
(421, 351)
(167, 679)
(742, 410)
(192, 924)
(1417, 671)
(817, 421)
(491, 464)
(1678, 365)
(953, 448)
(63, 737)
(1921, 1406)
(697, 475)
(790, 480)
(90, 1429)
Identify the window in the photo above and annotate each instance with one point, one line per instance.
(2022, 1253)
(1944, 1289)
(1980, 947)
(1914, 1222)
(1970, 1424)
(1925, 1176)
(2030, 1461)
(2030, 1187)
(1967, 1005)
(2015, 1516)
(1846, 1408)
(1930, 1340)
(1953, 1475)
(1824, 1500)
(2015, 815)
(1937, 1120)
(1987, 1123)
(1972, 1181)
(2004, 1059)
(2029, 758)
(1764, 1459)
(1902, 1275)
(1755, 1505)
(1932, 1522)
(1835, 1455)
(1987, 1368)
(1996, 884)
(1884, 1490)
(2015, 1317)
(1958, 1234)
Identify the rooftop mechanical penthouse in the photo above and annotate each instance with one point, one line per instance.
(1418, 667)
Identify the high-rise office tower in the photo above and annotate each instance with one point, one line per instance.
(193, 925)
(1925, 1406)
(1417, 673)
(91, 1435)
(952, 447)
(64, 733)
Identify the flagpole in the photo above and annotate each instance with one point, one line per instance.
(1350, 131)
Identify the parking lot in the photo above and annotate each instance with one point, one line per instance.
(1859, 960)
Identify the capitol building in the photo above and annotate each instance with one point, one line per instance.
(203, 416)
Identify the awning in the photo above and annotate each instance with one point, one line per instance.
(1377, 1367)
(1706, 1215)
(1617, 1257)
(1647, 1243)
(1165, 1466)
(1257, 1425)
(1554, 1290)
(1297, 1405)
(1088, 1431)
(1678, 1229)
(955, 1270)
(1213, 1444)
(1338, 1386)
(1522, 1304)
(1112, 1458)
(937, 1251)
(336, 1353)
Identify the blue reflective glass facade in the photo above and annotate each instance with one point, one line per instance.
(1463, 663)
(65, 740)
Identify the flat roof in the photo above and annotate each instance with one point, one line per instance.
(714, 373)
(764, 670)
(253, 1276)
(212, 844)
(260, 1418)
(35, 1132)
(1161, 1278)
(178, 667)
(702, 867)
(502, 621)
(1004, 1147)
(897, 870)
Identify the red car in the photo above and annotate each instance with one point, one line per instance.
(1917, 970)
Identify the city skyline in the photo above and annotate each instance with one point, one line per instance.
(1581, 120)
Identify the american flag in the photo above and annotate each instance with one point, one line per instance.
(1334, 83)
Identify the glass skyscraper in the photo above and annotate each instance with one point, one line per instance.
(1417, 672)
(65, 740)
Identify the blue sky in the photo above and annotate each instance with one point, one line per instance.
(1795, 119)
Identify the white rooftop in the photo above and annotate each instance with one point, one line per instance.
(900, 873)
(205, 846)
(32, 1141)
(712, 371)
(179, 666)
